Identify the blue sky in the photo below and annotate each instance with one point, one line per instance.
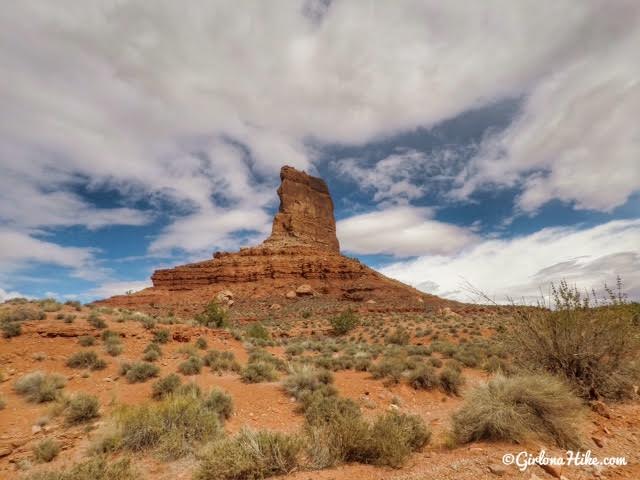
(495, 144)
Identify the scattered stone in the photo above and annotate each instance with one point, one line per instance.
(275, 306)
(394, 408)
(290, 294)
(553, 470)
(5, 450)
(304, 289)
(601, 408)
(598, 441)
(371, 301)
(35, 429)
(497, 470)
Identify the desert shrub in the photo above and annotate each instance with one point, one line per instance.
(594, 347)
(172, 425)
(345, 322)
(113, 346)
(399, 336)
(220, 402)
(152, 352)
(166, 386)
(519, 408)
(451, 380)
(434, 362)
(221, 361)
(191, 366)
(391, 368)
(256, 331)
(97, 468)
(303, 380)
(213, 316)
(23, 314)
(81, 408)
(3, 403)
(201, 343)
(148, 323)
(46, 450)
(262, 355)
(393, 437)
(424, 378)
(96, 321)
(139, 372)
(70, 318)
(250, 455)
(86, 340)
(87, 359)
(11, 329)
(161, 335)
(256, 372)
(50, 305)
(39, 387)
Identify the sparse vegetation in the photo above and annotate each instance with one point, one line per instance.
(191, 366)
(97, 468)
(39, 387)
(81, 408)
(46, 450)
(519, 408)
(86, 341)
(213, 316)
(11, 329)
(139, 372)
(256, 372)
(166, 386)
(345, 322)
(250, 455)
(86, 359)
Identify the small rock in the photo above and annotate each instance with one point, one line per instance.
(36, 429)
(601, 408)
(394, 408)
(276, 306)
(534, 477)
(371, 302)
(304, 289)
(5, 450)
(553, 470)
(290, 294)
(108, 379)
(598, 441)
(498, 470)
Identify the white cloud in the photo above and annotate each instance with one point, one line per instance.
(110, 289)
(401, 231)
(8, 295)
(521, 267)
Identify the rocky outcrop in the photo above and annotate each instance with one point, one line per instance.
(300, 260)
(305, 216)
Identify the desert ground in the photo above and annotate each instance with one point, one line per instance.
(372, 362)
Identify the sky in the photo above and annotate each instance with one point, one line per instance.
(493, 144)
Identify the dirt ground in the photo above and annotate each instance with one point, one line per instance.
(46, 345)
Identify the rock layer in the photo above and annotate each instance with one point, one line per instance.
(302, 250)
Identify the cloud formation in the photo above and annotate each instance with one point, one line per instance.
(401, 231)
(523, 267)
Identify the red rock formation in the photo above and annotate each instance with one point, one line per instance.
(302, 249)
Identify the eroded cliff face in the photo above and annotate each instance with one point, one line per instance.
(306, 215)
(303, 250)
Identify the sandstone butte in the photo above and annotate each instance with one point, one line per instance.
(300, 259)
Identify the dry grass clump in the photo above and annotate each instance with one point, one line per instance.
(424, 377)
(86, 340)
(97, 468)
(39, 387)
(451, 379)
(345, 322)
(519, 408)
(221, 361)
(191, 366)
(173, 425)
(82, 407)
(139, 372)
(152, 352)
(595, 347)
(166, 386)
(257, 372)
(213, 316)
(87, 359)
(304, 380)
(46, 450)
(250, 455)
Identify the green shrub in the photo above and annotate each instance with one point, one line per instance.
(595, 348)
(113, 346)
(451, 380)
(86, 359)
(201, 343)
(213, 316)
(394, 436)
(400, 336)
(221, 361)
(46, 450)
(257, 355)
(86, 341)
(139, 372)
(257, 372)
(40, 387)
(166, 386)
(517, 409)
(250, 455)
(11, 329)
(82, 408)
(161, 335)
(97, 468)
(303, 380)
(345, 322)
(191, 366)
(96, 320)
(173, 425)
(220, 402)
(424, 378)
(256, 331)
(152, 352)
